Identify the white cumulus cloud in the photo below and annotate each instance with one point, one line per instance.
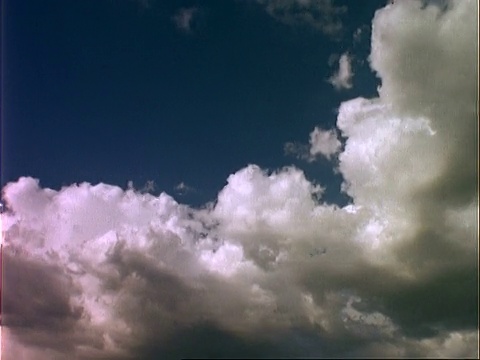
(96, 271)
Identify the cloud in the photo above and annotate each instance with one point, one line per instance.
(184, 19)
(360, 34)
(342, 79)
(301, 151)
(148, 187)
(357, 35)
(144, 4)
(182, 188)
(322, 142)
(322, 15)
(95, 271)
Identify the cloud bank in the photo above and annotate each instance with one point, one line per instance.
(268, 269)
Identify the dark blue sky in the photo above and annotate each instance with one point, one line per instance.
(112, 90)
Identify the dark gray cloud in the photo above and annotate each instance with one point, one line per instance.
(37, 305)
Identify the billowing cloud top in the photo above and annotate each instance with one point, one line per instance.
(268, 269)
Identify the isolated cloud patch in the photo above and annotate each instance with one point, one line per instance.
(322, 15)
(268, 268)
(184, 18)
(342, 78)
(322, 143)
(297, 149)
(359, 34)
(182, 189)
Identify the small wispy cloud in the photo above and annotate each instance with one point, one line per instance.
(183, 189)
(342, 78)
(184, 18)
(299, 150)
(322, 15)
(148, 187)
(144, 4)
(361, 33)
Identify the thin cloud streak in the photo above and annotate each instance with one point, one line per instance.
(321, 15)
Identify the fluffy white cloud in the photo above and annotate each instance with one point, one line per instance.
(268, 269)
(342, 79)
(322, 142)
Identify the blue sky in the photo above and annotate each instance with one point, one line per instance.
(114, 91)
(246, 179)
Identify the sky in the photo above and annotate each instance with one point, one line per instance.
(256, 178)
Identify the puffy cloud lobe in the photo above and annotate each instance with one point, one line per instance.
(268, 269)
(322, 142)
(342, 79)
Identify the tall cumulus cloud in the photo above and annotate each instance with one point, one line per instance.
(268, 269)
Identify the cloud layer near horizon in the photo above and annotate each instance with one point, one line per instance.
(268, 269)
